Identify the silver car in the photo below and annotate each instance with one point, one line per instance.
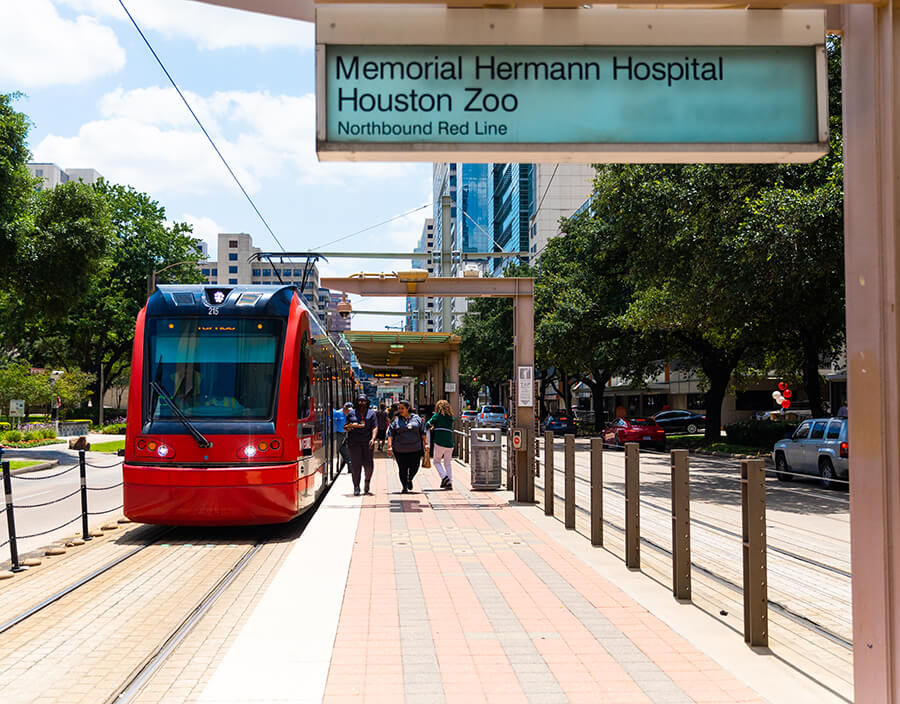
(818, 447)
(492, 417)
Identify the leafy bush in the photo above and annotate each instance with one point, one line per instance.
(114, 429)
(31, 435)
(47, 433)
(4, 426)
(759, 433)
(12, 436)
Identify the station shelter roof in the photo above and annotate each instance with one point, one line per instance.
(414, 351)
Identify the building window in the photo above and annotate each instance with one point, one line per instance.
(297, 272)
(232, 256)
(215, 272)
(205, 272)
(254, 282)
(232, 270)
(256, 272)
(232, 244)
(232, 281)
(39, 173)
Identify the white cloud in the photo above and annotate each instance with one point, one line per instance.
(205, 229)
(146, 138)
(40, 48)
(209, 26)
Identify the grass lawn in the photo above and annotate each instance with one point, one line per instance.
(22, 464)
(113, 446)
(699, 442)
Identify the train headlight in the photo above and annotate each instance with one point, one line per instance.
(249, 451)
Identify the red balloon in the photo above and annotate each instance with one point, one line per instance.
(785, 404)
(781, 386)
(788, 393)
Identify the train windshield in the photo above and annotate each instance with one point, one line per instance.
(222, 369)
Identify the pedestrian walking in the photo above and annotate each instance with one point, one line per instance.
(361, 428)
(340, 435)
(406, 440)
(381, 418)
(441, 427)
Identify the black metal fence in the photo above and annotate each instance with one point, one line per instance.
(10, 506)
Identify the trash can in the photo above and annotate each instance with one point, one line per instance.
(485, 458)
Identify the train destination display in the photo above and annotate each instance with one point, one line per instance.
(558, 94)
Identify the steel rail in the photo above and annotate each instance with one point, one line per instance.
(79, 583)
(135, 682)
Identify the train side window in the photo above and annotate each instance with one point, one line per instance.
(303, 379)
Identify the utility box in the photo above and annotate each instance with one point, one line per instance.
(485, 458)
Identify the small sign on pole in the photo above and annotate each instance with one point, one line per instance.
(17, 408)
(449, 387)
(525, 393)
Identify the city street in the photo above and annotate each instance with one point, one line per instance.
(50, 522)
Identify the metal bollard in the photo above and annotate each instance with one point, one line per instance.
(537, 455)
(10, 520)
(632, 506)
(570, 482)
(753, 513)
(510, 463)
(549, 471)
(681, 526)
(597, 491)
(467, 443)
(82, 471)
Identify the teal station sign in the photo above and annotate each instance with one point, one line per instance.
(691, 95)
(515, 99)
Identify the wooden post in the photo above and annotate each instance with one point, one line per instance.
(632, 506)
(753, 510)
(681, 526)
(570, 482)
(549, 471)
(597, 491)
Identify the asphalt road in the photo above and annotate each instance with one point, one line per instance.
(62, 518)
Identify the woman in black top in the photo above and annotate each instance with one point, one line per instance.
(406, 440)
(361, 428)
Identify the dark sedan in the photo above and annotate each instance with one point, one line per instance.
(674, 422)
(560, 424)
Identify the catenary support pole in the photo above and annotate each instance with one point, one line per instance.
(632, 506)
(681, 525)
(549, 471)
(570, 482)
(753, 512)
(597, 492)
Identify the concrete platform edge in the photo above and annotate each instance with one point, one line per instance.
(759, 669)
(287, 642)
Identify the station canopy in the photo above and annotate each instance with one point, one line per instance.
(412, 353)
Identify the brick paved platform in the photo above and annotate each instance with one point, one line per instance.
(460, 596)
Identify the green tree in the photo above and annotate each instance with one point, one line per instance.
(16, 184)
(581, 290)
(97, 326)
(485, 352)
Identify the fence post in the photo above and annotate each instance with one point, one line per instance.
(597, 491)
(537, 453)
(681, 526)
(570, 481)
(10, 519)
(510, 463)
(82, 471)
(467, 444)
(753, 512)
(632, 506)
(549, 471)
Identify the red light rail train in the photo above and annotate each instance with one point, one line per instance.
(230, 407)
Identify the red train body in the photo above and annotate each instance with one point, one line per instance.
(230, 407)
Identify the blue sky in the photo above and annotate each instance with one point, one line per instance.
(98, 99)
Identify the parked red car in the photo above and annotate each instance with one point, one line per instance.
(641, 430)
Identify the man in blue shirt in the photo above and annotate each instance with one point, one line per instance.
(340, 437)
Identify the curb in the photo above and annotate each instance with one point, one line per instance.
(49, 464)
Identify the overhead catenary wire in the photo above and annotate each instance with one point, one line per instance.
(200, 125)
(372, 227)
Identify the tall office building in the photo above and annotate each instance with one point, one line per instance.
(560, 191)
(420, 310)
(52, 175)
